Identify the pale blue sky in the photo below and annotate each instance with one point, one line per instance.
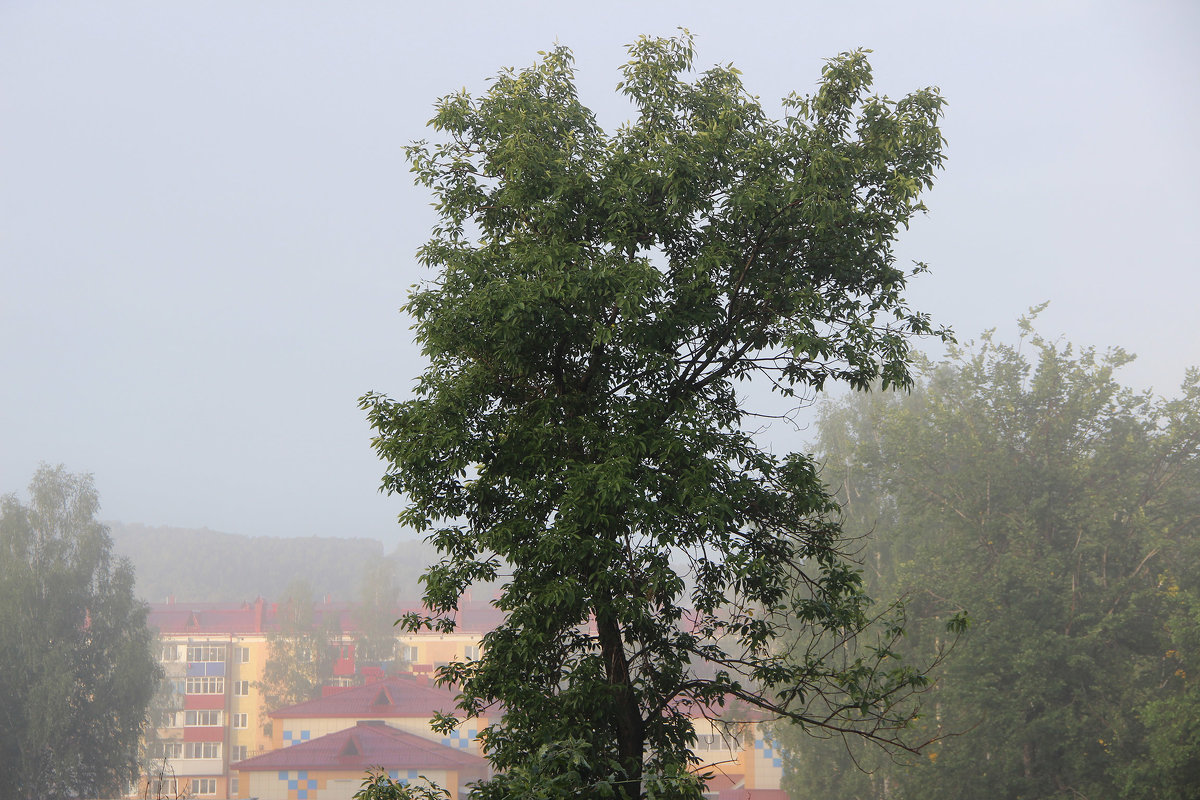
(207, 224)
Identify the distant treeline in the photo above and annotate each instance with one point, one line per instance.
(208, 566)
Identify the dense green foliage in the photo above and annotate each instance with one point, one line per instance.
(1062, 511)
(76, 668)
(378, 786)
(597, 297)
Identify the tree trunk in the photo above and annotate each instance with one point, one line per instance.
(631, 732)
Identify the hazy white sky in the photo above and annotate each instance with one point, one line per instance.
(207, 224)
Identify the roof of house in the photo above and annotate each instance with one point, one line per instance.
(367, 744)
(397, 696)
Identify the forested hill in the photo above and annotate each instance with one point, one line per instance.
(208, 566)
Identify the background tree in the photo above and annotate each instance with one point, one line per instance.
(375, 632)
(1061, 510)
(154, 766)
(300, 654)
(76, 668)
(598, 298)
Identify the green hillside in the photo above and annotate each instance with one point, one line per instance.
(209, 566)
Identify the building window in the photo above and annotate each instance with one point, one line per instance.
(201, 749)
(239, 721)
(203, 786)
(728, 742)
(204, 718)
(241, 688)
(168, 749)
(233, 787)
(471, 652)
(163, 787)
(209, 684)
(197, 653)
(178, 686)
(169, 652)
(241, 655)
(409, 653)
(168, 719)
(239, 754)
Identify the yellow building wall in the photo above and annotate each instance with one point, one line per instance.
(722, 747)
(435, 649)
(742, 749)
(765, 761)
(252, 737)
(329, 784)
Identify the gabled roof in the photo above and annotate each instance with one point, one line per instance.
(240, 618)
(389, 698)
(367, 744)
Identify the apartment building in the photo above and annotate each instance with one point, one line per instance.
(211, 713)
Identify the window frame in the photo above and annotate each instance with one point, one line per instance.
(204, 751)
(205, 684)
(205, 653)
(202, 718)
(204, 783)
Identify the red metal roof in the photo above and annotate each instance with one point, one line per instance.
(240, 618)
(367, 744)
(397, 696)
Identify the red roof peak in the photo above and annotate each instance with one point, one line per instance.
(365, 746)
(388, 699)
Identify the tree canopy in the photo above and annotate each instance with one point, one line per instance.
(1025, 484)
(76, 668)
(300, 655)
(578, 432)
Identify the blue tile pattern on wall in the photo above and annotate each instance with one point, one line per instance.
(764, 744)
(301, 784)
(291, 737)
(460, 739)
(411, 775)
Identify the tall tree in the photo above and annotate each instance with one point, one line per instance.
(598, 298)
(299, 655)
(1026, 484)
(76, 668)
(375, 632)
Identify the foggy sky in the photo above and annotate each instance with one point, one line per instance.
(207, 225)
